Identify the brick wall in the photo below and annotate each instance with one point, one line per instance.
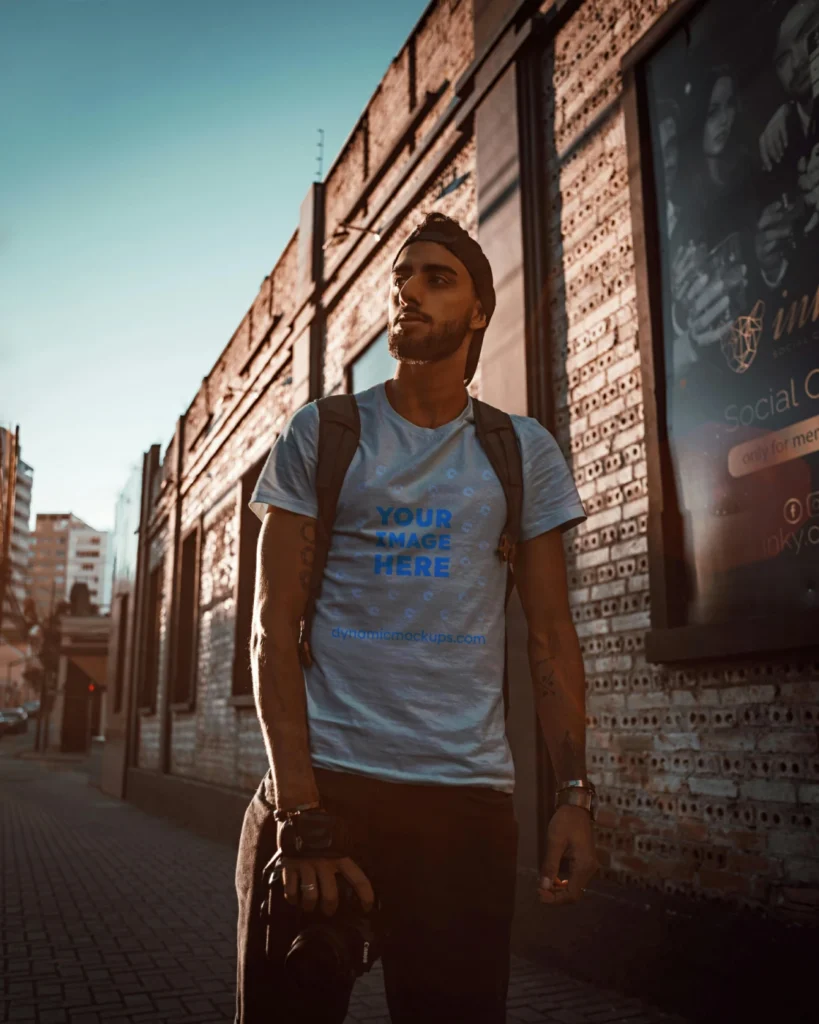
(438, 51)
(246, 398)
(709, 775)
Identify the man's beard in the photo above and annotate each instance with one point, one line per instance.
(431, 345)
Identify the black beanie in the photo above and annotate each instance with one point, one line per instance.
(437, 227)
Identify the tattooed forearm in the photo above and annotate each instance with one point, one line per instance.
(545, 678)
(559, 687)
(286, 556)
(571, 763)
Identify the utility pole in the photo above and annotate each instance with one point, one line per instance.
(8, 476)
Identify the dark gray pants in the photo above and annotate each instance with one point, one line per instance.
(442, 860)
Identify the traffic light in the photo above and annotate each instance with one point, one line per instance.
(91, 687)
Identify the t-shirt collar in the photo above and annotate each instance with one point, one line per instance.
(465, 416)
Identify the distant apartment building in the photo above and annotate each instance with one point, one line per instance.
(65, 551)
(20, 554)
(15, 491)
(89, 562)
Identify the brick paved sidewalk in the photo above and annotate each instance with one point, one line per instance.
(109, 915)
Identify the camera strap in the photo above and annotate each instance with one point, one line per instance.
(312, 833)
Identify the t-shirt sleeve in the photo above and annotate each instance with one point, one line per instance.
(550, 497)
(288, 479)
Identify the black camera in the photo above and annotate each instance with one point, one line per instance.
(327, 954)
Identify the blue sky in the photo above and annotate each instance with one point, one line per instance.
(155, 154)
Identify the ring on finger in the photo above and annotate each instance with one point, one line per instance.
(308, 888)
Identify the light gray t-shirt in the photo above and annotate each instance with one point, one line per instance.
(408, 636)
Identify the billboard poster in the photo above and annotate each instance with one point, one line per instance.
(732, 103)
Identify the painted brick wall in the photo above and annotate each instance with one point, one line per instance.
(709, 776)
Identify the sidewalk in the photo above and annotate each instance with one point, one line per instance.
(110, 915)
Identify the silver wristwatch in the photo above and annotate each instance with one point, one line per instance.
(579, 793)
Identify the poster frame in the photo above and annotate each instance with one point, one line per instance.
(671, 638)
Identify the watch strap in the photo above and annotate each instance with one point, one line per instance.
(575, 797)
(576, 784)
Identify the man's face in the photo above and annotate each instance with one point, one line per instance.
(792, 51)
(432, 304)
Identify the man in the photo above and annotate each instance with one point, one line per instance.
(789, 149)
(399, 731)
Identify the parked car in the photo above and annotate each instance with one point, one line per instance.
(32, 708)
(16, 719)
(8, 722)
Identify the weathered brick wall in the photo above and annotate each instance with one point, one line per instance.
(217, 741)
(709, 774)
(248, 393)
(439, 50)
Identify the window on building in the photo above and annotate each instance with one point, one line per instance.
(184, 680)
(122, 638)
(94, 540)
(150, 673)
(249, 529)
(87, 566)
(374, 365)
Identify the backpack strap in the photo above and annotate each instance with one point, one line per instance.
(339, 432)
(499, 441)
(496, 434)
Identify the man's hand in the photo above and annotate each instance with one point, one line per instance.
(809, 183)
(320, 872)
(774, 139)
(709, 306)
(773, 231)
(684, 269)
(569, 835)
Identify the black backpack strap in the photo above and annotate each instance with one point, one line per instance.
(497, 437)
(339, 432)
(499, 441)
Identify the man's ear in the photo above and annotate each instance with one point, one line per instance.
(478, 317)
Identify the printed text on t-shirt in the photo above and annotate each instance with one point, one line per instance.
(423, 520)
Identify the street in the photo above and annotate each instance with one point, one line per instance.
(111, 915)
